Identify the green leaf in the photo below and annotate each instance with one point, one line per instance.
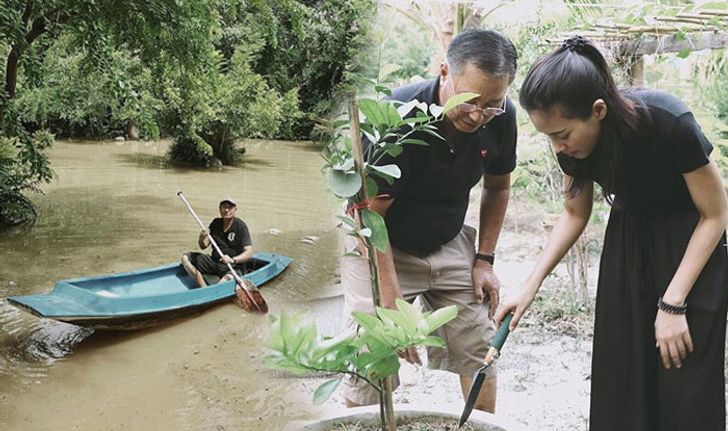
(385, 177)
(435, 110)
(368, 131)
(433, 341)
(344, 184)
(372, 111)
(283, 364)
(340, 123)
(288, 328)
(346, 165)
(400, 319)
(414, 141)
(302, 338)
(372, 187)
(457, 99)
(276, 338)
(394, 150)
(405, 108)
(416, 120)
(684, 53)
(390, 170)
(375, 222)
(385, 367)
(440, 317)
(383, 89)
(412, 313)
(324, 391)
(366, 321)
(433, 133)
(391, 114)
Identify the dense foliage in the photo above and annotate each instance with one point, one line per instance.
(203, 72)
(29, 31)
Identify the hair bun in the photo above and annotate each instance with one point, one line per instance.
(575, 44)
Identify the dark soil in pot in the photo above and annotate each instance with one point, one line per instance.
(433, 423)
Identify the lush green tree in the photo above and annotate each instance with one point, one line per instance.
(75, 98)
(205, 72)
(220, 106)
(304, 49)
(175, 29)
(275, 69)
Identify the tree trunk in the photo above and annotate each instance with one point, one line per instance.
(11, 73)
(132, 131)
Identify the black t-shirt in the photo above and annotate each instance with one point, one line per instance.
(649, 172)
(231, 242)
(432, 195)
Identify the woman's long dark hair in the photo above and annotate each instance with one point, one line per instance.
(571, 79)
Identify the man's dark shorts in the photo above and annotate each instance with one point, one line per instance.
(204, 263)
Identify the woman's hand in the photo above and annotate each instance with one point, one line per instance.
(518, 305)
(673, 338)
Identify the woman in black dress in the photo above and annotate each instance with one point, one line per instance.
(658, 359)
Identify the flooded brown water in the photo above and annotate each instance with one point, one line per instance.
(113, 208)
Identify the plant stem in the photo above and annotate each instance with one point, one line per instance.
(386, 405)
(352, 373)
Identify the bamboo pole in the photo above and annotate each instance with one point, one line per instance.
(715, 12)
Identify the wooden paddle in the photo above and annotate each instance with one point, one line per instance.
(248, 296)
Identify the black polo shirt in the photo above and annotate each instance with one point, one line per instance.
(432, 195)
(232, 242)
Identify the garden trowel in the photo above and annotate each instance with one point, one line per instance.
(479, 377)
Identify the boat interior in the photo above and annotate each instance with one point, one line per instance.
(163, 280)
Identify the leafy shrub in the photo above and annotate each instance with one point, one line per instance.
(23, 166)
(190, 148)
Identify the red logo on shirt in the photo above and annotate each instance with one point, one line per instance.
(483, 153)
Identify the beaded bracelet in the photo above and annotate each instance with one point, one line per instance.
(672, 309)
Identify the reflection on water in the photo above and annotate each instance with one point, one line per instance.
(114, 208)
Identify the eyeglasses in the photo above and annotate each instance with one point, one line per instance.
(487, 112)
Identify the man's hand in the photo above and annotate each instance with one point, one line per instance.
(410, 355)
(203, 240)
(227, 259)
(485, 282)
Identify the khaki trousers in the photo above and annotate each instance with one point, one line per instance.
(443, 278)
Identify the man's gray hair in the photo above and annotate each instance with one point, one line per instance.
(489, 51)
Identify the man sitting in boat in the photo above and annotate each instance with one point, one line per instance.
(231, 235)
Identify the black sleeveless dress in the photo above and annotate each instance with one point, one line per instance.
(651, 222)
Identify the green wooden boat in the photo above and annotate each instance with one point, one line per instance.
(142, 298)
